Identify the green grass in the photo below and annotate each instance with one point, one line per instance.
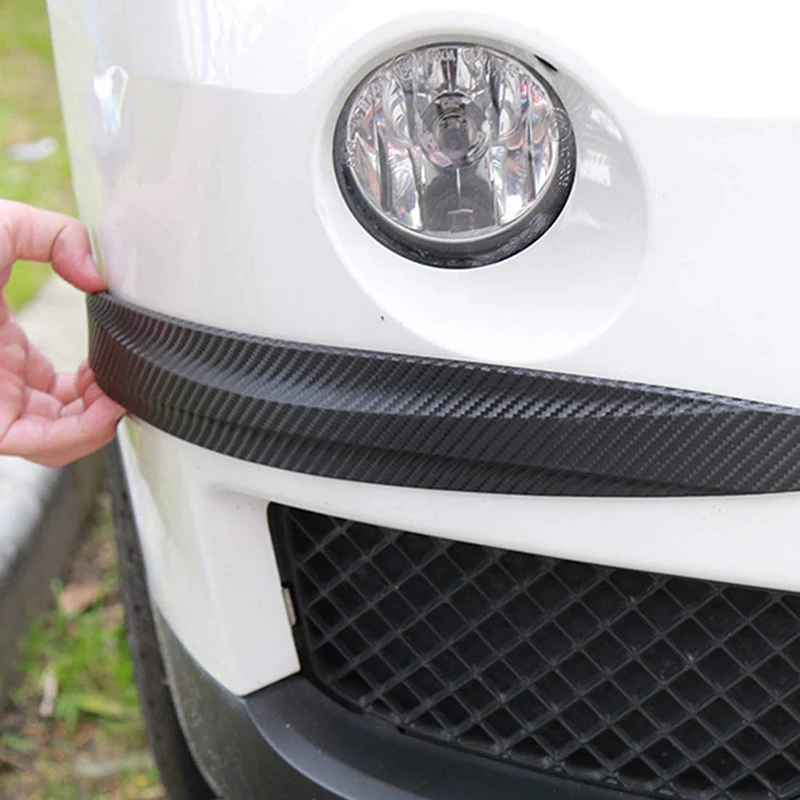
(26, 280)
(96, 715)
(89, 656)
(29, 109)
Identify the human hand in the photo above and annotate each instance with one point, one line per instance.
(44, 416)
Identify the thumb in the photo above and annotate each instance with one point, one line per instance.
(38, 235)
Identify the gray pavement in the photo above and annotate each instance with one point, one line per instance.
(42, 510)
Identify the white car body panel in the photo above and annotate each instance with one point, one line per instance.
(213, 573)
(200, 136)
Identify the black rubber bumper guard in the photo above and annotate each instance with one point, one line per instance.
(430, 423)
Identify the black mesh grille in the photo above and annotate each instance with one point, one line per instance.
(655, 684)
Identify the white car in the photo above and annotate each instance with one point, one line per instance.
(460, 345)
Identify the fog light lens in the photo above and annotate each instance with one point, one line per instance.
(455, 155)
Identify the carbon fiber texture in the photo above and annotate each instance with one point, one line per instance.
(412, 421)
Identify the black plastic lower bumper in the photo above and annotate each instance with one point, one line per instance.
(290, 742)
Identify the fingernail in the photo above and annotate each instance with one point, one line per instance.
(89, 264)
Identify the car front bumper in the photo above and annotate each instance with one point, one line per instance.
(201, 143)
(598, 678)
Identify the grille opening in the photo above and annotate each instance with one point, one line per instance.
(654, 684)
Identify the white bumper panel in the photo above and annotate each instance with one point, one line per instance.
(212, 570)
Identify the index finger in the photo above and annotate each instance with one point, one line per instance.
(39, 235)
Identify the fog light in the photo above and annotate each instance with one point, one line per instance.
(455, 155)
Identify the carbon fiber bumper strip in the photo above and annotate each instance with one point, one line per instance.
(411, 421)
